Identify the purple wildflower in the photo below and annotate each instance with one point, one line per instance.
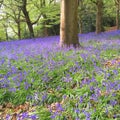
(67, 78)
(91, 88)
(94, 97)
(25, 115)
(77, 118)
(87, 114)
(44, 97)
(113, 102)
(27, 85)
(77, 111)
(7, 117)
(59, 107)
(81, 99)
(33, 117)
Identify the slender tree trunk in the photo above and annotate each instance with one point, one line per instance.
(43, 4)
(19, 31)
(45, 23)
(69, 24)
(117, 2)
(81, 27)
(6, 32)
(99, 5)
(80, 17)
(28, 21)
(45, 30)
(18, 25)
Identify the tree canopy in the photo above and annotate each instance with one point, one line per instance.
(37, 18)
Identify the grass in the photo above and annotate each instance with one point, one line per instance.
(64, 84)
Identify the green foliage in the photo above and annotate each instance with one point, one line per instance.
(87, 14)
(49, 13)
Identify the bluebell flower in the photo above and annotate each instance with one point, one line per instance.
(44, 96)
(77, 118)
(87, 114)
(77, 111)
(81, 99)
(94, 97)
(91, 88)
(113, 102)
(8, 117)
(25, 115)
(33, 117)
(59, 107)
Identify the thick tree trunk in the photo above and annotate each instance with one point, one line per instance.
(99, 5)
(69, 24)
(28, 21)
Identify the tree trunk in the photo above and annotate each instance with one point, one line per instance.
(117, 13)
(69, 24)
(6, 32)
(81, 27)
(19, 31)
(19, 25)
(28, 21)
(99, 5)
(80, 16)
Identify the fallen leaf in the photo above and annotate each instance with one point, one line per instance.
(14, 116)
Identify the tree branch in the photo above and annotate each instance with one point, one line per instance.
(1, 2)
(13, 29)
(117, 2)
(36, 20)
(94, 2)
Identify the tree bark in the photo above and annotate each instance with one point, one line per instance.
(69, 24)
(117, 3)
(19, 31)
(80, 16)
(6, 32)
(99, 13)
(27, 17)
(19, 25)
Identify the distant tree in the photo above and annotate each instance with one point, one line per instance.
(13, 16)
(4, 25)
(27, 17)
(117, 4)
(80, 14)
(69, 24)
(99, 14)
(23, 5)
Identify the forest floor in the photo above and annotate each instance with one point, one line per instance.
(41, 81)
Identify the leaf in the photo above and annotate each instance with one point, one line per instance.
(14, 117)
